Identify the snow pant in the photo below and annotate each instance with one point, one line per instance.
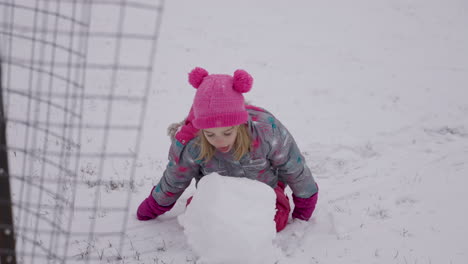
(282, 207)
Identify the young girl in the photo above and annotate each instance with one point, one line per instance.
(221, 134)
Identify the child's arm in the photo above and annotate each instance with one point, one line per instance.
(181, 169)
(286, 157)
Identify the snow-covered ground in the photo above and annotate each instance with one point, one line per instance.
(375, 93)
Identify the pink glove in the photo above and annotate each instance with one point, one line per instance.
(150, 209)
(304, 207)
(282, 207)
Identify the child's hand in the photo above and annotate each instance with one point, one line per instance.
(146, 210)
(150, 209)
(304, 207)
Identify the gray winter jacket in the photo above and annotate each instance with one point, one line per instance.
(274, 157)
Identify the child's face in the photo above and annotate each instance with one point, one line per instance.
(222, 138)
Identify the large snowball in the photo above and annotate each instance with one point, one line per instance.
(230, 220)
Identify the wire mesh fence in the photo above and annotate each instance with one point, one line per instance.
(75, 83)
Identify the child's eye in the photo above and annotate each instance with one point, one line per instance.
(209, 135)
(227, 134)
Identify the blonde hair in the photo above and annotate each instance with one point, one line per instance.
(242, 144)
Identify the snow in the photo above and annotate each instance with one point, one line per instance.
(230, 220)
(374, 92)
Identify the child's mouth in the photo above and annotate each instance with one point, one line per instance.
(224, 149)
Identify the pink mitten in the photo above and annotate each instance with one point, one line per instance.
(150, 209)
(304, 207)
(282, 207)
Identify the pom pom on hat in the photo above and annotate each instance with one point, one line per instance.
(242, 81)
(196, 76)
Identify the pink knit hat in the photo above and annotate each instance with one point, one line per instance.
(219, 101)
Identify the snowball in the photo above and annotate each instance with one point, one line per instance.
(230, 220)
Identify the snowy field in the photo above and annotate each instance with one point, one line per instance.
(375, 94)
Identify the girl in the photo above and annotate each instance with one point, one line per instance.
(221, 134)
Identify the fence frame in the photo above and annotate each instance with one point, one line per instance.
(7, 234)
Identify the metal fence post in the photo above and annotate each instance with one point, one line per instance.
(7, 240)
